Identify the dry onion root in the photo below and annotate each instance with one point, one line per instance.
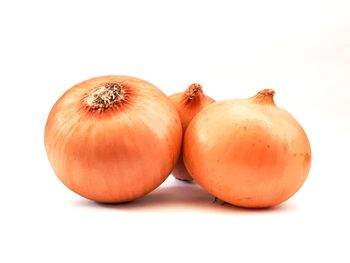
(248, 152)
(188, 104)
(113, 138)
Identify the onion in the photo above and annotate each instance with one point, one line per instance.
(188, 104)
(249, 152)
(113, 138)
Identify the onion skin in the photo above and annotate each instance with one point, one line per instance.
(115, 153)
(248, 152)
(188, 104)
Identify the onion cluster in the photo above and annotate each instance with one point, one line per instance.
(116, 138)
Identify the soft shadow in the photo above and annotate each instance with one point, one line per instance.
(180, 196)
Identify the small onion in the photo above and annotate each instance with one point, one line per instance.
(113, 138)
(188, 104)
(248, 152)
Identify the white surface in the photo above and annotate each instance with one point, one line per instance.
(300, 48)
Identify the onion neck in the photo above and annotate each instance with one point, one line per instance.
(193, 91)
(104, 96)
(264, 96)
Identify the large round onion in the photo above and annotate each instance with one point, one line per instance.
(188, 104)
(113, 138)
(249, 153)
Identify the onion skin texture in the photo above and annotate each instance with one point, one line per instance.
(188, 104)
(119, 152)
(248, 152)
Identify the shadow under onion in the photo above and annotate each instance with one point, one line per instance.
(180, 196)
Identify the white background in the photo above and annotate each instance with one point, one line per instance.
(233, 48)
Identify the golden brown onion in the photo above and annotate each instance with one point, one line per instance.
(113, 138)
(247, 152)
(188, 104)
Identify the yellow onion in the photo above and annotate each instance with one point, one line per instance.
(113, 138)
(188, 104)
(247, 152)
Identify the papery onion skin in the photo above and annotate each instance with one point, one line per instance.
(188, 104)
(248, 152)
(113, 152)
